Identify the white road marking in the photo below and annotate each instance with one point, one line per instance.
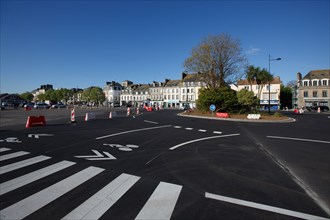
(23, 163)
(33, 176)
(262, 207)
(202, 130)
(151, 122)
(161, 203)
(98, 156)
(38, 200)
(13, 155)
(177, 127)
(189, 129)
(217, 132)
(131, 131)
(39, 135)
(99, 203)
(201, 139)
(3, 149)
(299, 139)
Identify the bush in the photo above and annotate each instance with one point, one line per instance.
(223, 98)
(277, 114)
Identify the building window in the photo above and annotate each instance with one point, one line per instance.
(305, 83)
(314, 93)
(314, 82)
(183, 90)
(247, 87)
(324, 93)
(305, 93)
(324, 82)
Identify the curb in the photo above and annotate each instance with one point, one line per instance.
(239, 120)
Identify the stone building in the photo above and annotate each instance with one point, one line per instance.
(313, 89)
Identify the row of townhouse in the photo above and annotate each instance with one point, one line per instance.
(171, 93)
(313, 89)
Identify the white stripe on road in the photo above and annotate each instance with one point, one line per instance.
(131, 131)
(33, 176)
(152, 122)
(99, 203)
(13, 155)
(202, 130)
(201, 139)
(3, 149)
(189, 129)
(161, 203)
(263, 207)
(177, 127)
(299, 139)
(217, 132)
(36, 201)
(23, 163)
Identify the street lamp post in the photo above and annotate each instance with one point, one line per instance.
(269, 80)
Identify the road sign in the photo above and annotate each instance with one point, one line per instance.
(212, 108)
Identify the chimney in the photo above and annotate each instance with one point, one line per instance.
(184, 74)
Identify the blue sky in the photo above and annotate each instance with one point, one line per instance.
(84, 43)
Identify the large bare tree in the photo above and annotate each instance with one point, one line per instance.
(219, 60)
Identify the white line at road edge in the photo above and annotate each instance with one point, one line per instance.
(151, 122)
(263, 207)
(299, 139)
(131, 131)
(201, 139)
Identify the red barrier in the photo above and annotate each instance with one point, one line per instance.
(27, 108)
(149, 109)
(35, 121)
(222, 115)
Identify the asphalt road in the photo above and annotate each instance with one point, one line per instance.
(158, 165)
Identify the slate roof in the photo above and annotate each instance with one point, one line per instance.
(318, 74)
(276, 80)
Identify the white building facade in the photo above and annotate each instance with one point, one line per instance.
(264, 92)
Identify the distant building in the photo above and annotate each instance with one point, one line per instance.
(41, 90)
(313, 89)
(275, 89)
(156, 93)
(171, 93)
(112, 91)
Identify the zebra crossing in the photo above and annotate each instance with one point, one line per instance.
(160, 205)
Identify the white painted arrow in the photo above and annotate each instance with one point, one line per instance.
(98, 156)
(39, 135)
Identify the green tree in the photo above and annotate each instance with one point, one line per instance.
(219, 60)
(247, 100)
(94, 94)
(41, 97)
(286, 96)
(223, 98)
(259, 76)
(64, 94)
(27, 96)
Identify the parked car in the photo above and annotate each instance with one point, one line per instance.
(315, 108)
(185, 107)
(58, 105)
(30, 104)
(41, 105)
